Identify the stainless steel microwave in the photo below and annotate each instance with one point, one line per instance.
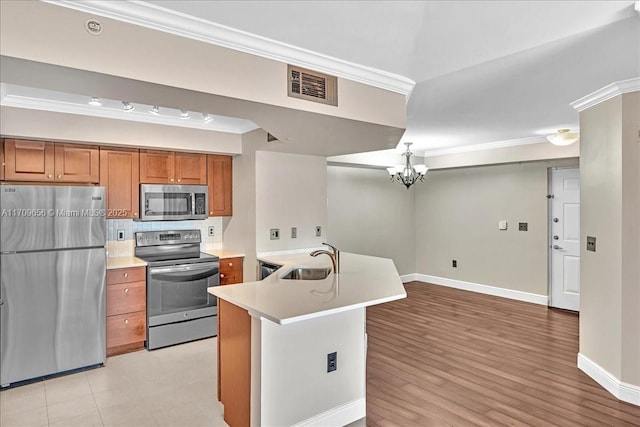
(160, 202)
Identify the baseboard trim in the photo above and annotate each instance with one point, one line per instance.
(623, 391)
(338, 416)
(409, 278)
(482, 289)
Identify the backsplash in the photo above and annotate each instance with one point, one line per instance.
(125, 247)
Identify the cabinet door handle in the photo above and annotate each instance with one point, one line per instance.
(178, 179)
(135, 214)
(126, 290)
(210, 213)
(59, 176)
(49, 176)
(170, 179)
(126, 321)
(222, 276)
(230, 264)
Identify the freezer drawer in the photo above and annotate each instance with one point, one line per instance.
(53, 316)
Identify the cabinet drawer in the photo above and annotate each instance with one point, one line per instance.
(227, 265)
(126, 275)
(126, 329)
(230, 278)
(126, 298)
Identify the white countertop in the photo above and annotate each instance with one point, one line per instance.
(362, 281)
(124, 262)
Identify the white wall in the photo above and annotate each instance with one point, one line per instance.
(294, 381)
(291, 191)
(369, 215)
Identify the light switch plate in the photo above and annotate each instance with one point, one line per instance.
(274, 233)
(294, 232)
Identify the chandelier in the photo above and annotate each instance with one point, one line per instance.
(407, 174)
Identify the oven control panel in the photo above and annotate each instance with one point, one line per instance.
(173, 237)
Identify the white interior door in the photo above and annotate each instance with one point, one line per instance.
(565, 239)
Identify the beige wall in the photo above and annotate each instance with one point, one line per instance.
(457, 214)
(610, 277)
(291, 191)
(631, 238)
(369, 215)
(35, 124)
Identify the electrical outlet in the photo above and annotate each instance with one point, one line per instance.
(523, 226)
(211, 230)
(294, 232)
(591, 243)
(332, 361)
(454, 263)
(275, 233)
(120, 235)
(318, 231)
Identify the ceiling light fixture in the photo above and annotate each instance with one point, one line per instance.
(206, 118)
(407, 174)
(95, 101)
(563, 137)
(127, 106)
(184, 114)
(155, 110)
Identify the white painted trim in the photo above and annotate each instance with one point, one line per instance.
(169, 21)
(607, 92)
(486, 146)
(623, 391)
(338, 416)
(409, 278)
(484, 289)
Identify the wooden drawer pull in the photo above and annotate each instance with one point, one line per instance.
(126, 274)
(126, 290)
(126, 321)
(230, 264)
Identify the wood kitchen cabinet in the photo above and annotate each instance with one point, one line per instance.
(168, 167)
(220, 182)
(119, 174)
(27, 160)
(231, 270)
(1, 159)
(126, 310)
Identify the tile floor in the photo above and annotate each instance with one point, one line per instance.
(174, 386)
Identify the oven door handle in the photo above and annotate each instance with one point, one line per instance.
(183, 273)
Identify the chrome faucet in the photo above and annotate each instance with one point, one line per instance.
(334, 255)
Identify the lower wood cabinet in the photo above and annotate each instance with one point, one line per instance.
(126, 310)
(231, 270)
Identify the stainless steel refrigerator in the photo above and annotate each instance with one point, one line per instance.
(52, 272)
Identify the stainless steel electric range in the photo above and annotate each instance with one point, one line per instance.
(179, 308)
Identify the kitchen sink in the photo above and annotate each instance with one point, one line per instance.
(307, 274)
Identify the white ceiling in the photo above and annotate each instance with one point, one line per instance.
(486, 71)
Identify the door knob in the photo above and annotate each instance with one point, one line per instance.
(556, 247)
(555, 220)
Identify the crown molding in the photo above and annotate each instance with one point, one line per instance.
(606, 93)
(486, 146)
(158, 18)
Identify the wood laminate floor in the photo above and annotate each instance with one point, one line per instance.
(444, 356)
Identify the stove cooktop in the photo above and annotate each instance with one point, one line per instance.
(176, 258)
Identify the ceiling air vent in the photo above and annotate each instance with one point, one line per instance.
(312, 86)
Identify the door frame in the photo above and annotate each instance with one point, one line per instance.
(549, 238)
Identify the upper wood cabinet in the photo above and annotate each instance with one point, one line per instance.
(47, 161)
(77, 163)
(119, 174)
(220, 182)
(168, 167)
